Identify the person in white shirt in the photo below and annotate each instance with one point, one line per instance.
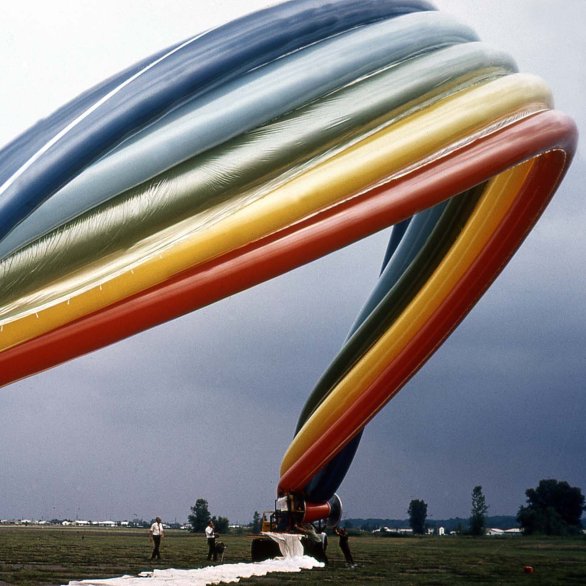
(156, 533)
(211, 537)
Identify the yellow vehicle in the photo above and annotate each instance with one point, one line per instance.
(268, 522)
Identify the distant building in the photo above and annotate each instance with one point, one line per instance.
(501, 532)
(394, 530)
(107, 523)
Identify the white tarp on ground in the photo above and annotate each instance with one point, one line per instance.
(221, 574)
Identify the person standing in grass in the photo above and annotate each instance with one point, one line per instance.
(343, 535)
(211, 538)
(156, 533)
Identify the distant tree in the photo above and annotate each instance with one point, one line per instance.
(256, 524)
(200, 516)
(553, 508)
(221, 524)
(417, 515)
(479, 510)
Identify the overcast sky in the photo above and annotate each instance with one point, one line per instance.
(205, 406)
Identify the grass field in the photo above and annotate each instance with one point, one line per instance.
(46, 556)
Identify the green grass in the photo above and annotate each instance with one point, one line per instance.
(47, 556)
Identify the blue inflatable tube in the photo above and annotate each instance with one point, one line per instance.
(397, 233)
(240, 105)
(191, 68)
(17, 152)
(412, 242)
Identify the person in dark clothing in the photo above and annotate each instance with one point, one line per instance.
(343, 535)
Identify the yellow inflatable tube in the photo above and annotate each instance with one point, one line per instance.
(389, 152)
(488, 215)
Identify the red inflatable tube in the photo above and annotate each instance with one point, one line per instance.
(296, 245)
(533, 198)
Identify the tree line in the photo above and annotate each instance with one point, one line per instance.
(552, 508)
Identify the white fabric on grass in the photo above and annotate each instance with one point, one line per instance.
(221, 574)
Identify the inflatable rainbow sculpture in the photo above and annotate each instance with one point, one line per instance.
(264, 144)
